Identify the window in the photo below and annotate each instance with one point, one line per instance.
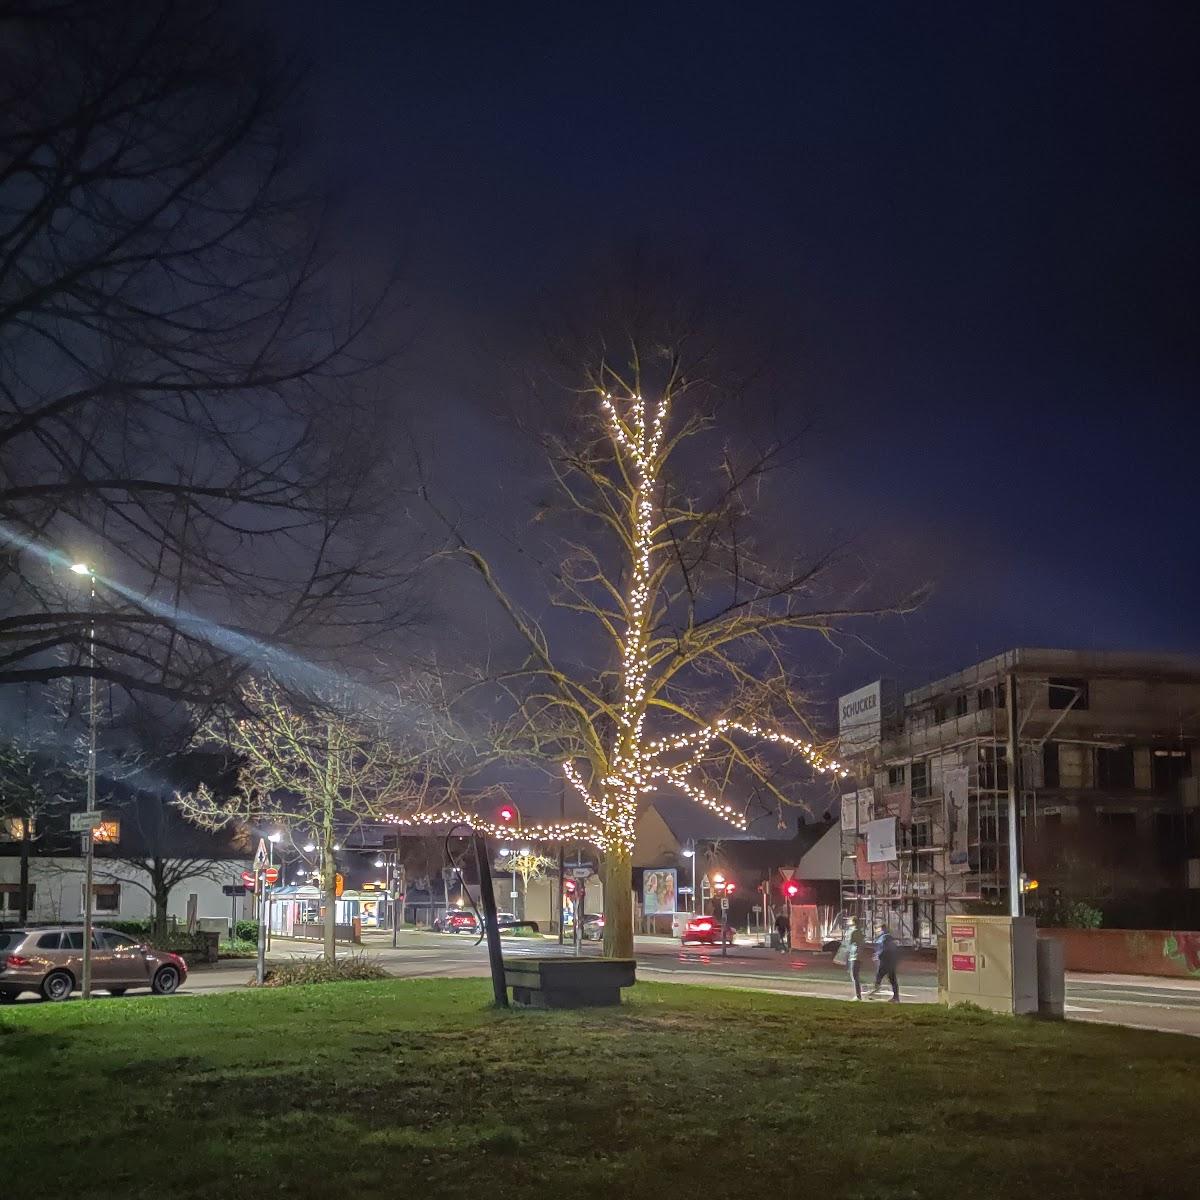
(983, 698)
(1069, 693)
(71, 941)
(993, 767)
(1120, 831)
(960, 705)
(10, 896)
(1114, 767)
(115, 941)
(106, 897)
(11, 827)
(1170, 838)
(939, 714)
(896, 776)
(1168, 768)
(1050, 764)
(1000, 695)
(920, 780)
(50, 941)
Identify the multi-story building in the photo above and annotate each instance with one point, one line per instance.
(1099, 753)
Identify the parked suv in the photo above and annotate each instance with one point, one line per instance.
(49, 960)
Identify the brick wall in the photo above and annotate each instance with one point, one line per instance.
(1130, 951)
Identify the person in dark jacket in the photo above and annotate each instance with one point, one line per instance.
(783, 927)
(887, 955)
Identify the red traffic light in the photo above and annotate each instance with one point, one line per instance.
(791, 889)
(569, 885)
(508, 815)
(730, 888)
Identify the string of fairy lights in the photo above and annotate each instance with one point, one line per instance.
(637, 767)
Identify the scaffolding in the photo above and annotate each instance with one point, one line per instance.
(913, 893)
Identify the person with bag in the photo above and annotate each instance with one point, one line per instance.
(848, 953)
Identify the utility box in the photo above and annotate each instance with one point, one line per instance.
(990, 961)
(1051, 978)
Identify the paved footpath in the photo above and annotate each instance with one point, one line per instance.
(1145, 1002)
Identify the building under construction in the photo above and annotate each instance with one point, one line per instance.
(1098, 753)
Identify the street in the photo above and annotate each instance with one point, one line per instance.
(1165, 1004)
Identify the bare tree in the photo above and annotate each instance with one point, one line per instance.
(165, 851)
(178, 370)
(317, 769)
(673, 659)
(34, 788)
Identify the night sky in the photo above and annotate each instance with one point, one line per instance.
(972, 229)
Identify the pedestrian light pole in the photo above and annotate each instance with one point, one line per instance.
(690, 852)
(89, 833)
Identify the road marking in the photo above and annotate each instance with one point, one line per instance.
(1080, 1008)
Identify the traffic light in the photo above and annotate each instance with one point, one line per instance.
(730, 888)
(569, 886)
(508, 814)
(791, 889)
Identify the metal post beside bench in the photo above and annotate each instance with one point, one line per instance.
(568, 982)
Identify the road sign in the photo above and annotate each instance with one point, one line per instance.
(271, 875)
(233, 889)
(248, 878)
(513, 895)
(84, 822)
(262, 855)
(724, 904)
(581, 872)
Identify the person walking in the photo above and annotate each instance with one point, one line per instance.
(850, 951)
(887, 954)
(783, 929)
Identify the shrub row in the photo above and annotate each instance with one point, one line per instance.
(318, 970)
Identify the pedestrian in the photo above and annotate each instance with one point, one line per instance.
(887, 953)
(849, 951)
(783, 928)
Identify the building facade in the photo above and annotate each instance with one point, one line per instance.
(1097, 753)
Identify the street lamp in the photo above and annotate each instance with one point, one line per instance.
(690, 852)
(84, 569)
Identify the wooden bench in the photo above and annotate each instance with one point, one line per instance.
(568, 982)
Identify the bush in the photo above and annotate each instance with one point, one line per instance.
(245, 931)
(238, 948)
(298, 971)
(137, 929)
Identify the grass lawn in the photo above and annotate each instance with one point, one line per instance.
(416, 1088)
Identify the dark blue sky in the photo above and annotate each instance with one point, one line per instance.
(976, 226)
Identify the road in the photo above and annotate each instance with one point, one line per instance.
(1165, 1004)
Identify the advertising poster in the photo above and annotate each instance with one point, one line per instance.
(850, 812)
(805, 925)
(866, 808)
(659, 891)
(956, 789)
(881, 840)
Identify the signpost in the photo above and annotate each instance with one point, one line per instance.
(85, 822)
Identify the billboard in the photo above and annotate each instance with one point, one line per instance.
(860, 718)
(659, 890)
(956, 789)
(881, 840)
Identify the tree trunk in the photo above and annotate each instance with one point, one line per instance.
(24, 876)
(162, 895)
(329, 882)
(618, 904)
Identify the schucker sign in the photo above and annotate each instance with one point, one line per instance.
(860, 718)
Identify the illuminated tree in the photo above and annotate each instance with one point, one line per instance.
(681, 668)
(316, 770)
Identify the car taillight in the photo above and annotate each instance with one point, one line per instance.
(15, 960)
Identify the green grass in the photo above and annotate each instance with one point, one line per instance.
(417, 1088)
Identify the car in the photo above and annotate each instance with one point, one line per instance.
(459, 920)
(592, 929)
(704, 930)
(48, 960)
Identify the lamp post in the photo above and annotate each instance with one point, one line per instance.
(272, 840)
(690, 852)
(88, 838)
